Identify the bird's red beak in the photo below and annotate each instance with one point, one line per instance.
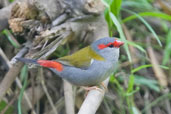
(118, 43)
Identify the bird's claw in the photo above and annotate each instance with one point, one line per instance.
(93, 88)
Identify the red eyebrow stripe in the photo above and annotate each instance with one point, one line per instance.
(51, 64)
(109, 44)
(101, 46)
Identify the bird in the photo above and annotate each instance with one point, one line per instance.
(87, 67)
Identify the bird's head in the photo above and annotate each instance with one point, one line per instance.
(107, 47)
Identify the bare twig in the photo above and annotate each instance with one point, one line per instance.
(38, 94)
(9, 78)
(17, 79)
(129, 37)
(167, 103)
(9, 104)
(59, 105)
(21, 53)
(159, 73)
(69, 101)
(147, 101)
(4, 3)
(46, 91)
(2, 54)
(11, 74)
(60, 19)
(92, 101)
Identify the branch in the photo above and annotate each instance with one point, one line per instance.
(69, 101)
(11, 74)
(93, 101)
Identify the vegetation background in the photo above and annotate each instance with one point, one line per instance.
(142, 82)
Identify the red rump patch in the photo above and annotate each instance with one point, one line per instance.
(51, 64)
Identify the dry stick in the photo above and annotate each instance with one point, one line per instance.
(38, 95)
(9, 104)
(129, 37)
(147, 101)
(127, 63)
(92, 101)
(46, 91)
(5, 58)
(69, 101)
(17, 79)
(33, 92)
(59, 105)
(9, 78)
(160, 75)
(167, 102)
(11, 75)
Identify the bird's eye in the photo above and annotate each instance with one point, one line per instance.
(111, 46)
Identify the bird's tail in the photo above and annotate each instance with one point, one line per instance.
(45, 63)
(24, 60)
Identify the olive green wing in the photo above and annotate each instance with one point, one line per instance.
(81, 58)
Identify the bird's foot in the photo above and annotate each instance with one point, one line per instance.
(104, 86)
(92, 88)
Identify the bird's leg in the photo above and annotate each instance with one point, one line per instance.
(92, 88)
(104, 86)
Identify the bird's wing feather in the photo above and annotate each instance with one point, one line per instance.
(81, 58)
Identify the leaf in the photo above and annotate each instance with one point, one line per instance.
(11, 40)
(24, 72)
(146, 66)
(130, 84)
(137, 46)
(167, 50)
(106, 3)
(152, 84)
(152, 14)
(138, 4)
(119, 28)
(115, 7)
(146, 24)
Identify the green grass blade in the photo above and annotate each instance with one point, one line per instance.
(135, 110)
(11, 40)
(3, 105)
(119, 28)
(146, 24)
(141, 67)
(167, 50)
(140, 5)
(137, 46)
(115, 7)
(133, 91)
(152, 84)
(146, 66)
(106, 3)
(114, 80)
(152, 14)
(130, 84)
(109, 21)
(157, 101)
(24, 72)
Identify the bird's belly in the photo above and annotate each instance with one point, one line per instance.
(97, 73)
